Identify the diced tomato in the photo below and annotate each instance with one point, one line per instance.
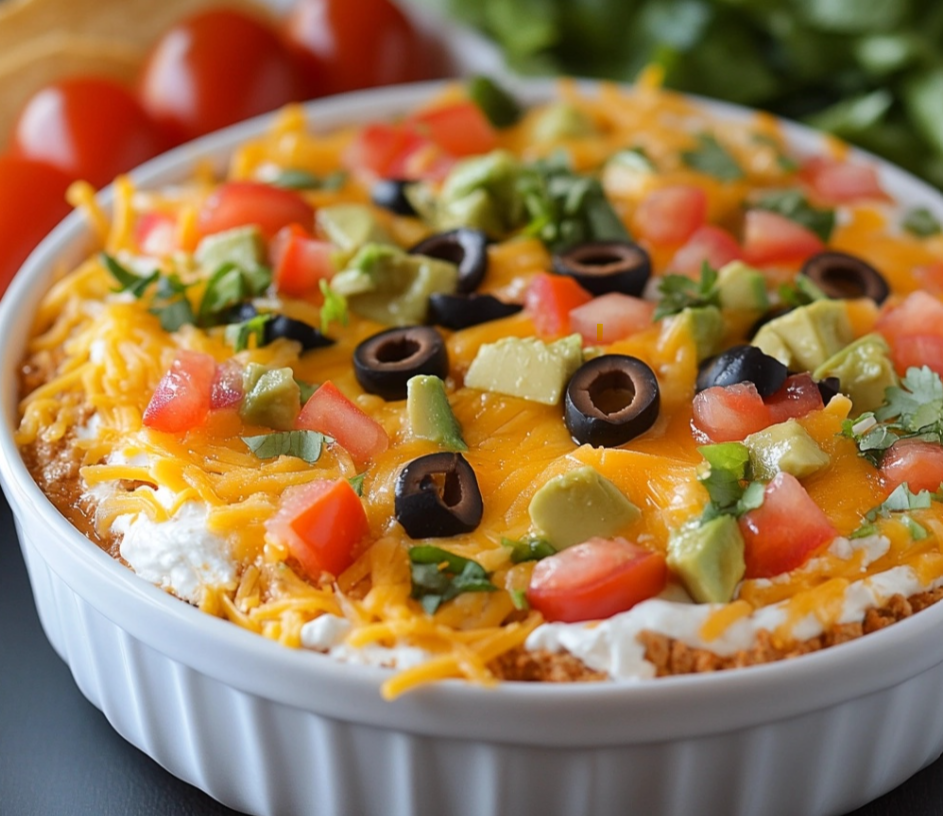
(730, 413)
(841, 182)
(595, 579)
(299, 261)
(181, 400)
(238, 203)
(918, 463)
(708, 243)
(918, 350)
(155, 234)
(781, 534)
(549, 301)
(460, 129)
(395, 151)
(930, 277)
(772, 238)
(611, 317)
(798, 396)
(321, 523)
(670, 215)
(227, 389)
(331, 413)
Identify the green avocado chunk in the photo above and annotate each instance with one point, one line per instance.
(241, 246)
(785, 447)
(805, 338)
(561, 121)
(386, 284)
(742, 288)
(526, 367)
(272, 397)
(706, 325)
(350, 226)
(864, 369)
(429, 412)
(708, 559)
(578, 505)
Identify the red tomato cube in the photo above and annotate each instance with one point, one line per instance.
(460, 129)
(772, 238)
(181, 400)
(842, 182)
(299, 261)
(670, 215)
(798, 396)
(730, 413)
(708, 243)
(331, 413)
(918, 463)
(240, 203)
(549, 301)
(611, 317)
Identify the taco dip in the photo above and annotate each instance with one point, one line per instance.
(608, 387)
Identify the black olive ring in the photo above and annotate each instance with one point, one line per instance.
(610, 400)
(740, 364)
(385, 362)
(841, 275)
(391, 195)
(279, 325)
(466, 248)
(601, 267)
(437, 496)
(462, 311)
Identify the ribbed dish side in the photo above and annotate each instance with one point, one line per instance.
(264, 758)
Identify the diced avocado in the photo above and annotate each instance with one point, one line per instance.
(241, 246)
(706, 325)
(350, 226)
(481, 193)
(578, 505)
(561, 121)
(785, 447)
(742, 287)
(526, 367)
(708, 559)
(805, 338)
(430, 415)
(864, 370)
(272, 397)
(628, 173)
(386, 284)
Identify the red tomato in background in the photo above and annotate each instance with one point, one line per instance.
(331, 413)
(214, 69)
(343, 45)
(183, 396)
(32, 202)
(595, 579)
(670, 215)
(730, 413)
(840, 182)
(321, 523)
(708, 243)
(238, 203)
(772, 238)
(549, 301)
(460, 129)
(781, 534)
(89, 127)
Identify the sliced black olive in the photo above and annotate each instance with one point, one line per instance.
(438, 496)
(464, 247)
(740, 364)
(391, 195)
(828, 388)
(461, 311)
(610, 400)
(291, 329)
(241, 312)
(385, 362)
(841, 275)
(606, 266)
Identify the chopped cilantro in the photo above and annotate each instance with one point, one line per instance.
(898, 505)
(295, 179)
(356, 482)
(519, 599)
(786, 163)
(501, 109)
(680, 292)
(793, 204)
(921, 222)
(170, 303)
(727, 466)
(306, 389)
(801, 292)
(239, 334)
(334, 309)
(712, 158)
(228, 286)
(439, 576)
(529, 548)
(127, 280)
(305, 445)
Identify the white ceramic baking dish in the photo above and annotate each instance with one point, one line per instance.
(269, 730)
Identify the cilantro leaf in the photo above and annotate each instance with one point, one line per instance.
(305, 445)
(127, 281)
(801, 292)
(334, 309)
(529, 548)
(713, 159)
(173, 314)
(727, 464)
(239, 334)
(900, 500)
(439, 576)
(306, 389)
(680, 292)
(519, 599)
(501, 109)
(296, 179)
(793, 204)
(921, 222)
(356, 482)
(228, 286)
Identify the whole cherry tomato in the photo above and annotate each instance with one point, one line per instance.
(89, 127)
(214, 69)
(342, 45)
(32, 202)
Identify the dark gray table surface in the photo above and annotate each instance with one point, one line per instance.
(59, 755)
